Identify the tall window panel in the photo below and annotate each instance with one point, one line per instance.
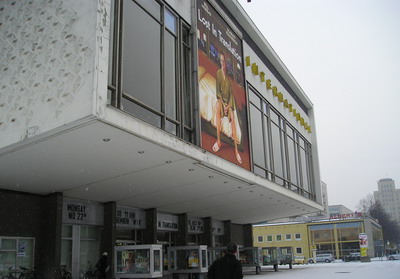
(150, 65)
(278, 147)
(279, 151)
(260, 136)
(292, 146)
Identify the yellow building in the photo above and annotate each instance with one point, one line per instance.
(293, 235)
(336, 236)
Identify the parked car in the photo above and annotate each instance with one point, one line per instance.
(393, 257)
(356, 256)
(323, 258)
(300, 260)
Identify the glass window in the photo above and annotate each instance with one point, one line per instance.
(66, 246)
(140, 112)
(170, 127)
(15, 252)
(157, 263)
(303, 161)
(269, 238)
(349, 231)
(187, 97)
(141, 68)
(260, 239)
(277, 150)
(274, 117)
(257, 136)
(151, 6)
(170, 75)
(267, 143)
(292, 158)
(254, 99)
(170, 21)
(278, 237)
(299, 250)
(89, 247)
(154, 66)
(203, 258)
(322, 233)
(288, 237)
(298, 236)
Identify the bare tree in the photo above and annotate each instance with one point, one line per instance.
(366, 204)
(391, 230)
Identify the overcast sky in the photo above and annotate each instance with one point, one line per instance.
(345, 54)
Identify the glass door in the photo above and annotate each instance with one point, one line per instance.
(80, 248)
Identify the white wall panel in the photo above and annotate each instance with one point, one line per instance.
(47, 65)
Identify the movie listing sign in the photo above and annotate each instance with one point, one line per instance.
(195, 225)
(131, 218)
(218, 227)
(167, 222)
(81, 212)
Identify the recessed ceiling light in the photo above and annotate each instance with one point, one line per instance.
(140, 152)
(106, 140)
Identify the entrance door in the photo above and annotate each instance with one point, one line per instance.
(80, 248)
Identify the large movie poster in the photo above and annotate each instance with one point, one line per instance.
(222, 95)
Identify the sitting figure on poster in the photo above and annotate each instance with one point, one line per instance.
(225, 106)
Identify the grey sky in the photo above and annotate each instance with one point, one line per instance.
(345, 54)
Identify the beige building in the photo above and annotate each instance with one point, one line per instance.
(389, 198)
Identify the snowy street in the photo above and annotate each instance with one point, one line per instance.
(376, 269)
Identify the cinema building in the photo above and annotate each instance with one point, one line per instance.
(164, 123)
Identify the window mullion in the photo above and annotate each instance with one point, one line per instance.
(162, 67)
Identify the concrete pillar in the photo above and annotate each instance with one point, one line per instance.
(150, 236)
(248, 235)
(50, 248)
(206, 237)
(227, 238)
(109, 234)
(182, 235)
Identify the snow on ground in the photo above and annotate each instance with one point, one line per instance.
(376, 269)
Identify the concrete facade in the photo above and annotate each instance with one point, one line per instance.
(79, 173)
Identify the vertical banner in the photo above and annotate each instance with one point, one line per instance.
(222, 94)
(363, 238)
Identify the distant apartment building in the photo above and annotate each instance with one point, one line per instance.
(389, 198)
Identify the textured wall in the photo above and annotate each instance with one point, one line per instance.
(48, 64)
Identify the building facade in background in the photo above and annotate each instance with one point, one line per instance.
(144, 122)
(339, 237)
(338, 211)
(389, 198)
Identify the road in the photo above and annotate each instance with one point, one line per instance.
(376, 269)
